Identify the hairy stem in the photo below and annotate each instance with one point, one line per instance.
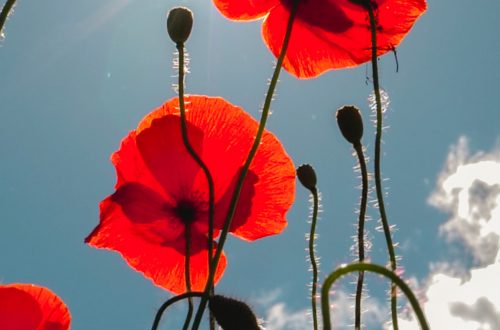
(194, 155)
(361, 231)
(246, 166)
(378, 176)
(5, 13)
(366, 267)
(314, 264)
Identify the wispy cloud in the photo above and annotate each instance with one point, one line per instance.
(468, 189)
(279, 316)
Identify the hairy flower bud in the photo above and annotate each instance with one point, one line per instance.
(179, 24)
(307, 176)
(350, 123)
(232, 314)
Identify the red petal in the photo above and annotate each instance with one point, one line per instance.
(130, 166)
(147, 212)
(225, 141)
(267, 194)
(166, 157)
(26, 306)
(228, 135)
(162, 263)
(245, 10)
(337, 34)
(18, 310)
(222, 134)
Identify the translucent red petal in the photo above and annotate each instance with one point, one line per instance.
(245, 10)
(31, 307)
(161, 262)
(332, 34)
(155, 171)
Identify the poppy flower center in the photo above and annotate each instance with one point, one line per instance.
(186, 211)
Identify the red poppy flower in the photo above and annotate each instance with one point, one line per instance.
(327, 34)
(160, 190)
(31, 307)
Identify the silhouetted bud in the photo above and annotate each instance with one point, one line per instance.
(350, 123)
(179, 24)
(232, 314)
(307, 176)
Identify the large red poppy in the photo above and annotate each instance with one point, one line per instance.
(31, 307)
(327, 34)
(160, 189)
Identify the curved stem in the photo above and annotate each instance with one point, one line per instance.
(361, 231)
(169, 302)
(187, 273)
(378, 176)
(5, 13)
(194, 155)
(246, 166)
(312, 258)
(357, 267)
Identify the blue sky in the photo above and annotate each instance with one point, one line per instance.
(77, 76)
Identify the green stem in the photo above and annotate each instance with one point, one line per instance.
(312, 258)
(361, 230)
(172, 301)
(5, 13)
(357, 267)
(378, 176)
(246, 166)
(187, 234)
(194, 155)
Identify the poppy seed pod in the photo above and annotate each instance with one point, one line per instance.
(307, 176)
(179, 24)
(350, 123)
(232, 314)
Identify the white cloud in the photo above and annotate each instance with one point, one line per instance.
(373, 314)
(453, 296)
(280, 317)
(469, 190)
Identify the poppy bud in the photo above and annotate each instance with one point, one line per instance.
(179, 24)
(232, 314)
(307, 176)
(350, 123)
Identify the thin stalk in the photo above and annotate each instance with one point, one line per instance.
(366, 267)
(5, 13)
(172, 301)
(246, 166)
(361, 231)
(194, 155)
(312, 258)
(378, 176)
(187, 273)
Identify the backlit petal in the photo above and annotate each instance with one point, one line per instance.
(267, 194)
(147, 212)
(336, 34)
(18, 309)
(229, 134)
(163, 151)
(130, 166)
(245, 10)
(141, 220)
(27, 306)
(162, 263)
